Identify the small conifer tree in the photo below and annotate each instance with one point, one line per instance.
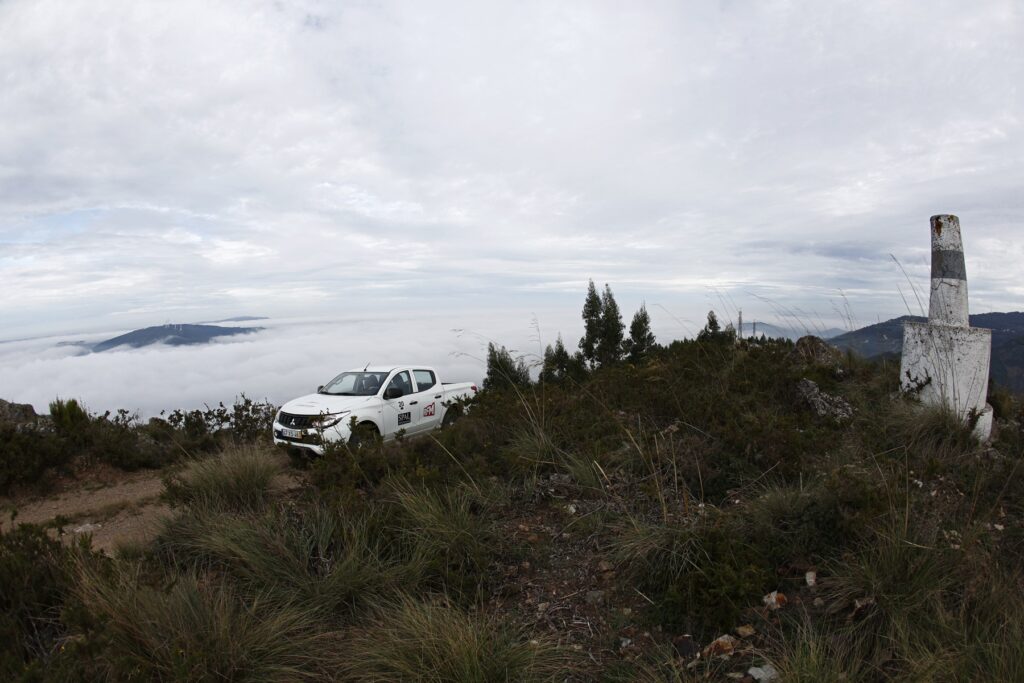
(641, 340)
(504, 371)
(559, 365)
(609, 342)
(591, 324)
(713, 330)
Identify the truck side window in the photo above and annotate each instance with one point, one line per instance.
(425, 379)
(401, 381)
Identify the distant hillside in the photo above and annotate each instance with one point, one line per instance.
(757, 328)
(172, 335)
(1007, 343)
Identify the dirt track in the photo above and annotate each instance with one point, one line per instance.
(124, 511)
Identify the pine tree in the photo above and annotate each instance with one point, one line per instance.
(548, 370)
(712, 330)
(591, 324)
(713, 326)
(609, 343)
(641, 340)
(559, 365)
(503, 371)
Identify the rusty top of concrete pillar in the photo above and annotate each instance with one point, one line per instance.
(946, 233)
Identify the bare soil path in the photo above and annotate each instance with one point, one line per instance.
(122, 510)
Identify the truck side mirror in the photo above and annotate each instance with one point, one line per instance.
(320, 388)
(392, 392)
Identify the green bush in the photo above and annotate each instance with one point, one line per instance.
(27, 454)
(701, 575)
(36, 578)
(72, 422)
(813, 521)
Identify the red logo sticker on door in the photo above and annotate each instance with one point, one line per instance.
(428, 411)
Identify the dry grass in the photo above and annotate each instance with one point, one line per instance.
(436, 642)
(239, 478)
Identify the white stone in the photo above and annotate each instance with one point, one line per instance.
(766, 672)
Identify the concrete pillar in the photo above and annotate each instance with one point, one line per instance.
(946, 361)
(948, 302)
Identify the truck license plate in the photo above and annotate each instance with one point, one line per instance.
(291, 433)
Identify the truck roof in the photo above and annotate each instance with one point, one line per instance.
(389, 368)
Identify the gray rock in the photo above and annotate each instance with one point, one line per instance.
(763, 673)
(595, 597)
(816, 351)
(16, 413)
(824, 405)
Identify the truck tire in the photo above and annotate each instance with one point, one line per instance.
(365, 434)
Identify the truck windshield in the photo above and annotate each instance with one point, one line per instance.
(355, 384)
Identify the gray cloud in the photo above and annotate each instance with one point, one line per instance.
(176, 162)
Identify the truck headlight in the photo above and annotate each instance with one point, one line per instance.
(326, 420)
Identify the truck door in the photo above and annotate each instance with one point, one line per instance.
(397, 412)
(429, 394)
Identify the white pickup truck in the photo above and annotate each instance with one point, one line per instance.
(379, 401)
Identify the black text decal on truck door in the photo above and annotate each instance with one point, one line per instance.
(404, 418)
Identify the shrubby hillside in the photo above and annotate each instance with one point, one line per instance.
(711, 510)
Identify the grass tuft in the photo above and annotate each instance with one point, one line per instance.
(237, 479)
(435, 642)
(197, 629)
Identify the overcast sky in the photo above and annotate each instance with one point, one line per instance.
(179, 161)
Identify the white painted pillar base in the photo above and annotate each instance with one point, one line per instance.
(946, 361)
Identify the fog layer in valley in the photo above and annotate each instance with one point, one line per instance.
(283, 361)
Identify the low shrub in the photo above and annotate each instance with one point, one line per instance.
(36, 579)
(245, 421)
(809, 522)
(27, 453)
(72, 422)
(700, 574)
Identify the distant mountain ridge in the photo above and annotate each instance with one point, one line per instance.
(757, 328)
(886, 338)
(171, 335)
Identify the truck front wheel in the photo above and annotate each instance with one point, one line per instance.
(364, 434)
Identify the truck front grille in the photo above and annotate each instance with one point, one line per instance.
(295, 421)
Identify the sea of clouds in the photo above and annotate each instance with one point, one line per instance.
(286, 359)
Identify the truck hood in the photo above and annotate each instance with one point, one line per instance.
(315, 404)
